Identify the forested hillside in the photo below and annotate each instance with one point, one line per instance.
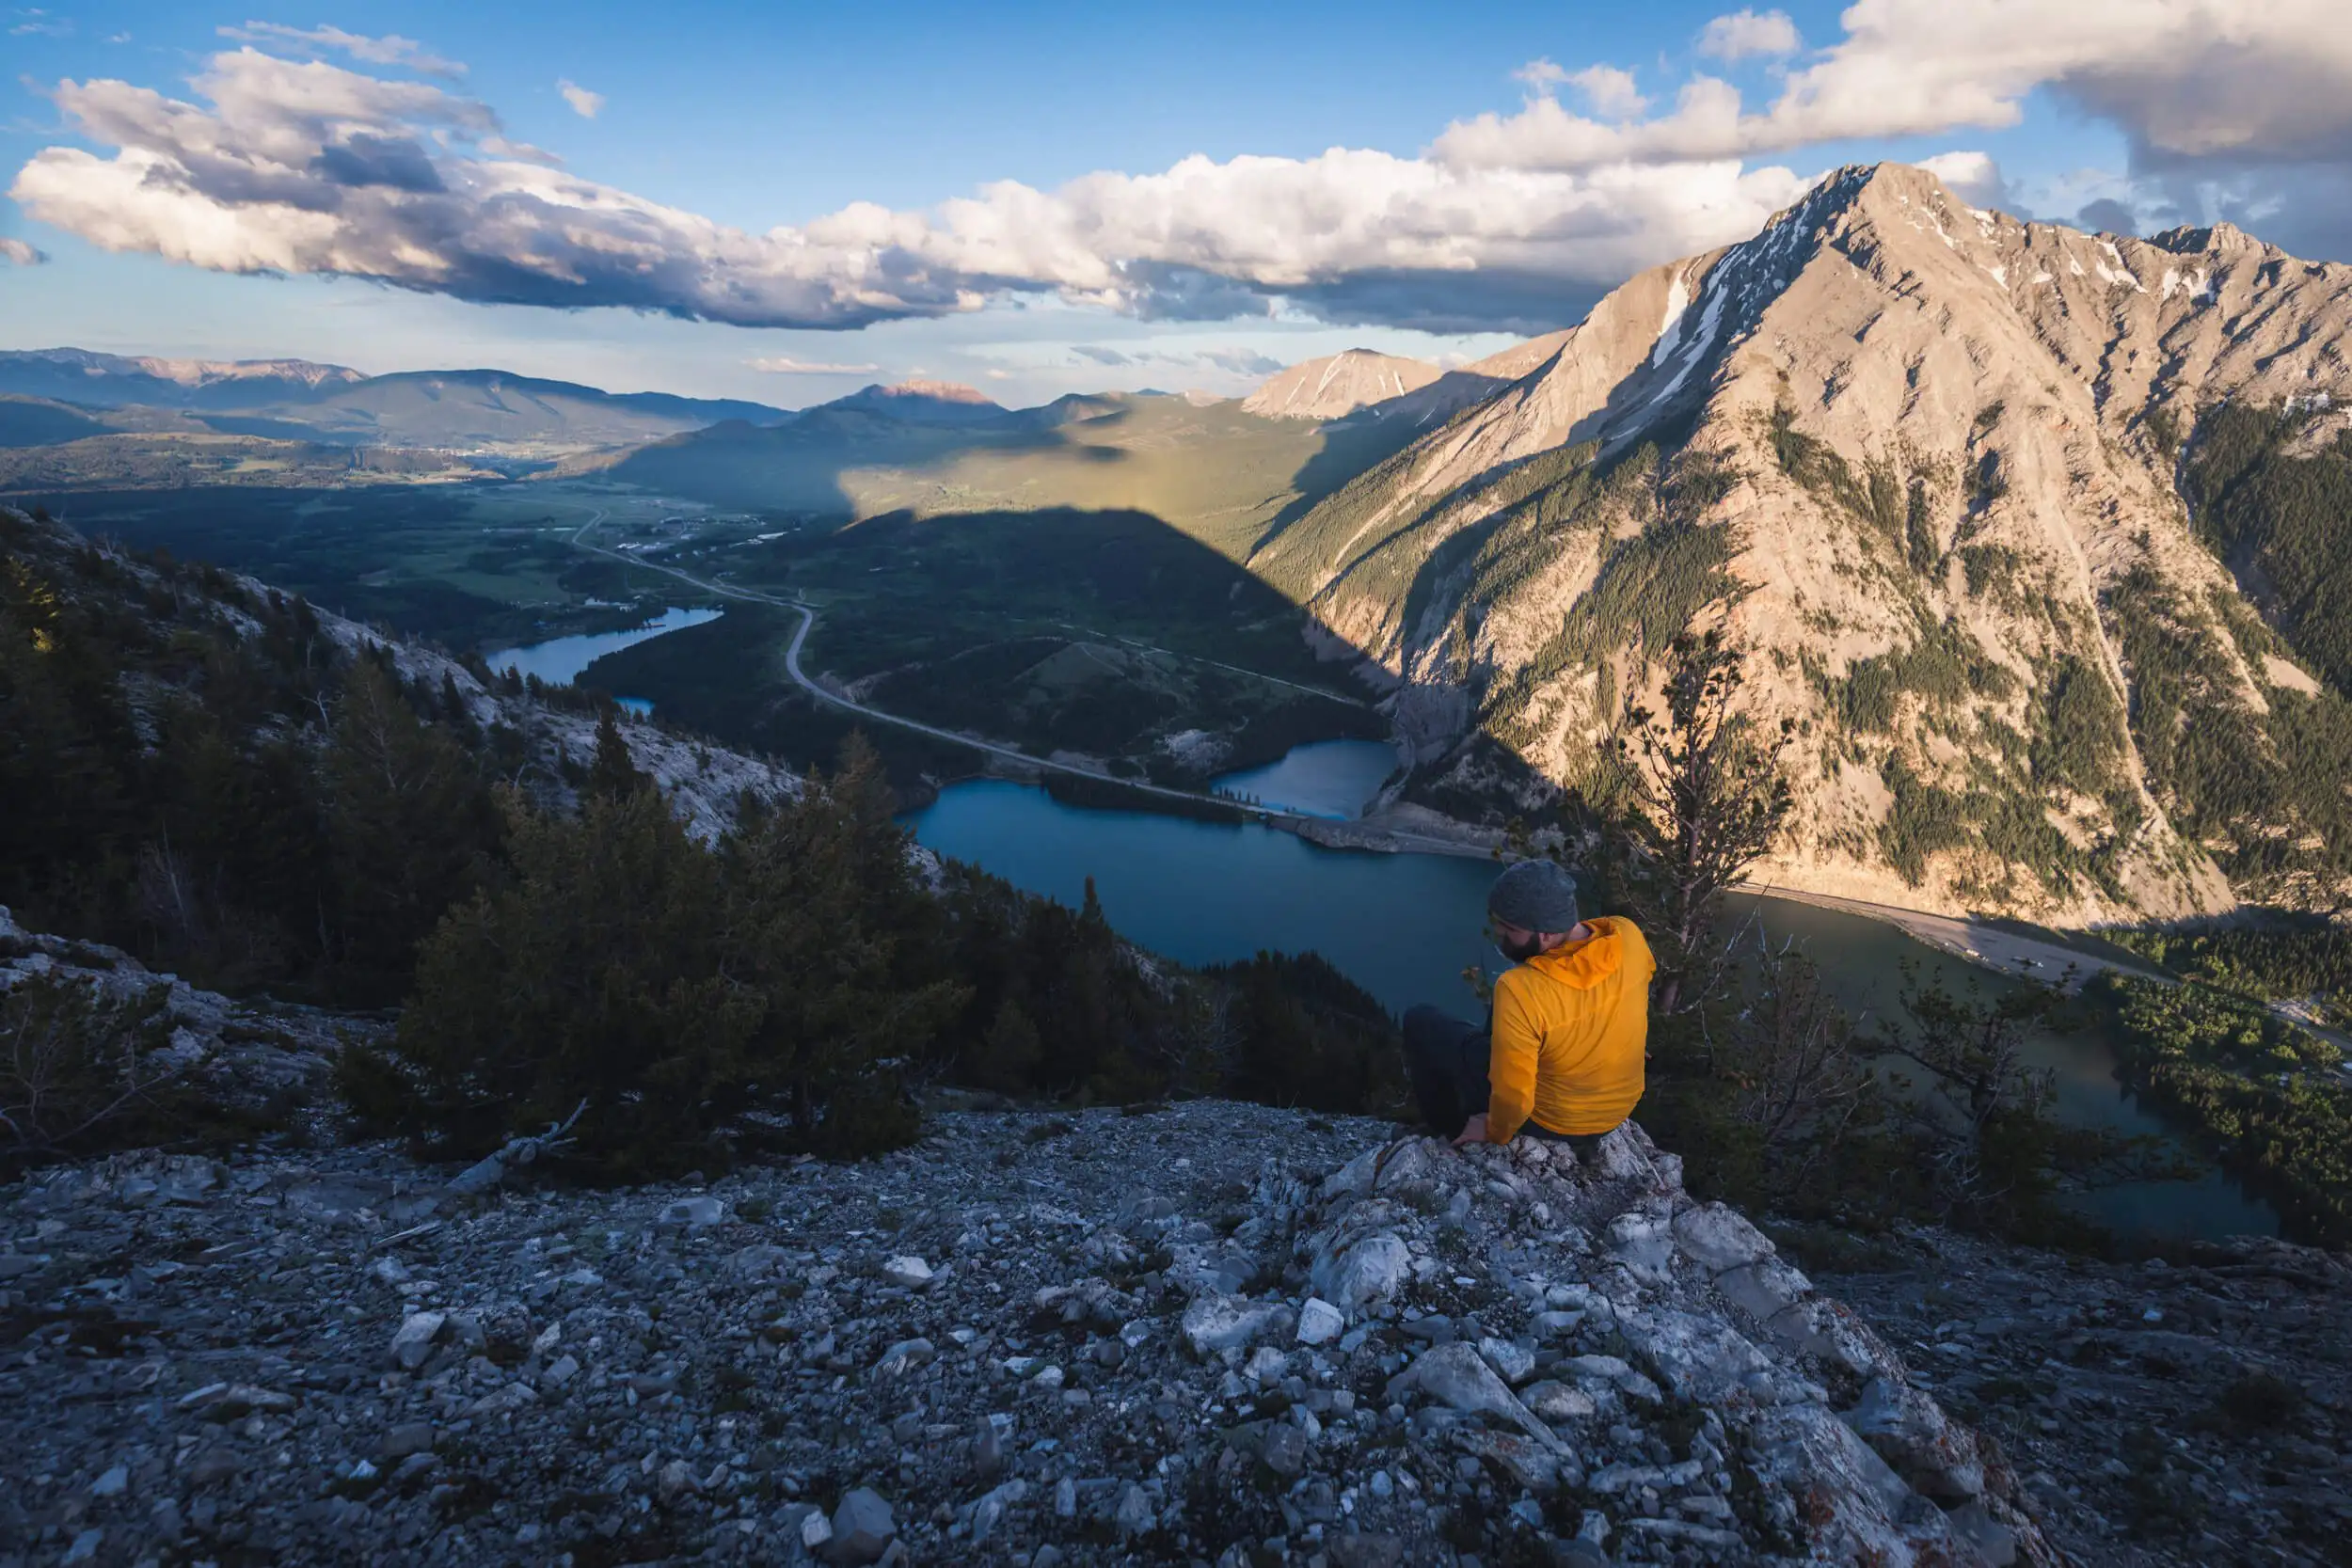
(568, 907)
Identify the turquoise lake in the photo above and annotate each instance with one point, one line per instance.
(1331, 778)
(558, 660)
(1404, 927)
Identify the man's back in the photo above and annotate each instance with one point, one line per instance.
(1572, 1028)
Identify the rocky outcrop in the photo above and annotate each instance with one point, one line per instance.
(243, 1056)
(2195, 1407)
(1215, 1332)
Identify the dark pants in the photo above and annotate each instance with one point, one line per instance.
(1445, 1057)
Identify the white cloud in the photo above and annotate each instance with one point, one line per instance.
(1746, 32)
(1541, 75)
(311, 167)
(391, 49)
(1973, 176)
(17, 253)
(2186, 80)
(780, 364)
(584, 103)
(2230, 107)
(1609, 91)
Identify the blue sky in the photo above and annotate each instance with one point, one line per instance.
(881, 137)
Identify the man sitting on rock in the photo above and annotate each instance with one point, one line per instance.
(1561, 1054)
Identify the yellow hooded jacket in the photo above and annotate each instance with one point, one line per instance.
(1572, 1028)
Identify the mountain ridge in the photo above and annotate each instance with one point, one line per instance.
(466, 408)
(1909, 451)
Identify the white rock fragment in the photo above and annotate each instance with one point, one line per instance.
(1319, 1321)
(695, 1213)
(907, 1270)
(1362, 1275)
(1217, 1322)
(1513, 1363)
(1717, 1238)
(412, 1343)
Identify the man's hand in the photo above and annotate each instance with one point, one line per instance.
(1473, 1131)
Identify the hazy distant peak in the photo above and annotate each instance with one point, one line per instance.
(204, 373)
(922, 402)
(116, 377)
(942, 391)
(1338, 385)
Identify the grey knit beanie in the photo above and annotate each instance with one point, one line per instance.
(1535, 895)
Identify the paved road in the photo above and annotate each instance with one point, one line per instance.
(1990, 946)
(792, 667)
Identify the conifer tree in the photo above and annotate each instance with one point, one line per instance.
(613, 773)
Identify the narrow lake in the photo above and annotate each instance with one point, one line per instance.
(1404, 927)
(1330, 778)
(558, 660)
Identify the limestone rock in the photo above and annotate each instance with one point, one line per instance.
(1717, 1238)
(863, 1528)
(1319, 1321)
(1213, 1323)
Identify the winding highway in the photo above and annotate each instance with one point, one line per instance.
(1989, 946)
(1026, 759)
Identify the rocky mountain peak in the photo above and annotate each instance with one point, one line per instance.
(921, 402)
(1339, 385)
(1934, 443)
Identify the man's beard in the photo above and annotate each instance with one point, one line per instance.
(1519, 952)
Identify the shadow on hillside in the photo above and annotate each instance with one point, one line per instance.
(800, 467)
(953, 620)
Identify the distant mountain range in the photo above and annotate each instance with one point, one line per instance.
(114, 380)
(293, 399)
(2039, 539)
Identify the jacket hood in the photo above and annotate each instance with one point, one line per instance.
(1587, 963)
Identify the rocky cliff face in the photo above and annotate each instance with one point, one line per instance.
(1929, 457)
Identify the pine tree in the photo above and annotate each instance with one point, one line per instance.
(595, 975)
(1709, 798)
(613, 773)
(409, 824)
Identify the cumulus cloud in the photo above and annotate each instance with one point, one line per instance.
(1744, 32)
(584, 103)
(1541, 75)
(2186, 80)
(784, 364)
(278, 165)
(1973, 176)
(16, 253)
(2107, 216)
(391, 49)
(1609, 91)
(2239, 108)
